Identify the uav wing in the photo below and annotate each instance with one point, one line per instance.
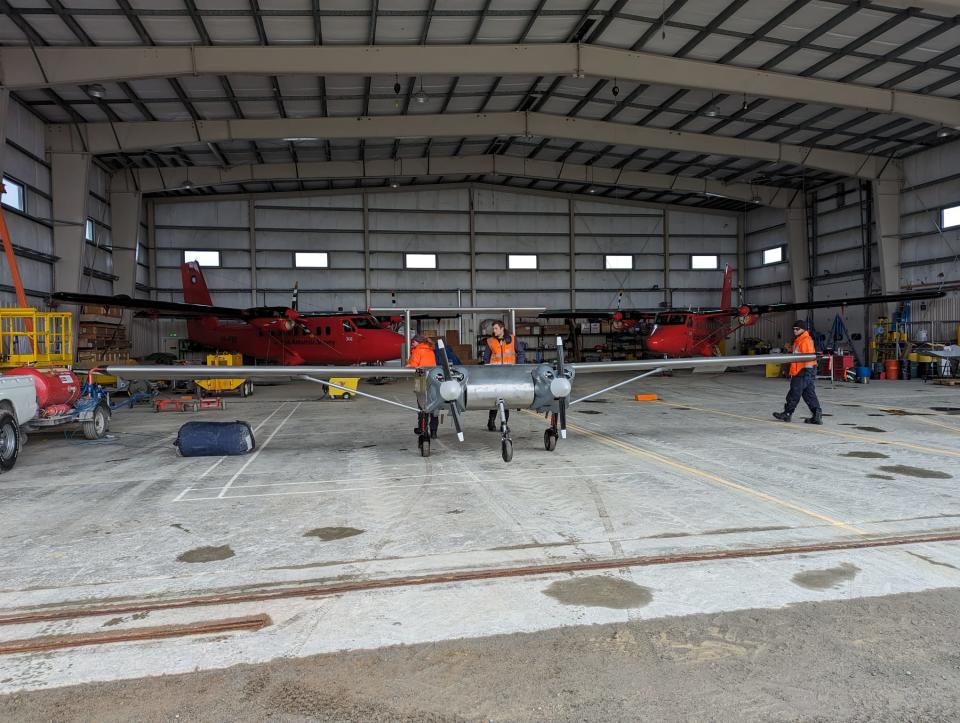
(160, 371)
(168, 309)
(711, 363)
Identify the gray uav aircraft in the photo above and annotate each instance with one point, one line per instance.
(545, 388)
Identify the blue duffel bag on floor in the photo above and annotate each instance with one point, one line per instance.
(214, 439)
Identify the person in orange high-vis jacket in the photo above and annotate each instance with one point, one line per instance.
(422, 354)
(802, 378)
(501, 348)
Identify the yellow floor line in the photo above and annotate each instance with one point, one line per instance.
(821, 430)
(710, 477)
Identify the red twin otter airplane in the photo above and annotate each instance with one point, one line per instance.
(279, 334)
(698, 332)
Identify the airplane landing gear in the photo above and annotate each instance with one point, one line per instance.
(551, 435)
(506, 444)
(423, 434)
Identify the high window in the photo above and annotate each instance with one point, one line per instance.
(521, 261)
(420, 261)
(614, 262)
(204, 258)
(704, 262)
(13, 194)
(311, 259)
(773, 256)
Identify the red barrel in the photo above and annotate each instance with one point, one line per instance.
(54, 386)
(892, 369)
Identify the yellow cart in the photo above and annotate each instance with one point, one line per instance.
(348, 383)
(218, 386)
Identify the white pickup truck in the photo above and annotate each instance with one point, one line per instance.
(18, 405)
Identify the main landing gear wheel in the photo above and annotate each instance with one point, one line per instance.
(424, 445)
(550, 440)
(506, 450)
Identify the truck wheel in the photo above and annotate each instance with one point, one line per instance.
(10, 442)
(97, 427)
(244, 391)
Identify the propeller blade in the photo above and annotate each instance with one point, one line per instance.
(563, 400)
(563, 418)
(455, 413)
(444, 362)
(448, 377)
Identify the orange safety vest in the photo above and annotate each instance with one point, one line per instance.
(422, 355)
(501, 350)
(803, 344)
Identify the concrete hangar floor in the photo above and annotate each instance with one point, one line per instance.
(688, 559)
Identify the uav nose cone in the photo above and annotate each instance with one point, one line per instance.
(560, 388)
(449, 390)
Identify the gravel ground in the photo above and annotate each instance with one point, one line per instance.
(894, 658)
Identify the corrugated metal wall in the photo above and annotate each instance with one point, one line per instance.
(31, 229)
(843, 232)
(440, 221)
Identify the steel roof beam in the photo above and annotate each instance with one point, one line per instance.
(99, 138)
(153, 180)
(75, 65)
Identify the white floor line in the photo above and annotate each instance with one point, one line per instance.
(255, 429)
(180, 496)
(256, 454)
(372, 488)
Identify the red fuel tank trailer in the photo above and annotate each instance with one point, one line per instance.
(54, 386)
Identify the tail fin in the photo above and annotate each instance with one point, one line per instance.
(195, 289)
(726, 295)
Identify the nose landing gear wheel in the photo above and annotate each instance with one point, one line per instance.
(550, 440)
(424, 445)
(506, 450)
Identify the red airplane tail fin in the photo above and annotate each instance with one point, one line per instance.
(726, 295)
(195, 289)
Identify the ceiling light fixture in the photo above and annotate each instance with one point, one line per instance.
(420, 96)
(96, 90)
(394, 184)
(187, 185)
(616, 88)
(713, 109)
(943, 132)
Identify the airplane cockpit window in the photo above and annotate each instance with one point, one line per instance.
(347, 326)
(364, 322)
(667, 319)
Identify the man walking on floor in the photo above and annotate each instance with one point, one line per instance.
(802, 378)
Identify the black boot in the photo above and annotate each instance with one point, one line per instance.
(783, 416)
(434, 425)
(817, 417)
(491, 421)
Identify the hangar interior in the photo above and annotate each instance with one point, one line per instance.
(579, 156)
